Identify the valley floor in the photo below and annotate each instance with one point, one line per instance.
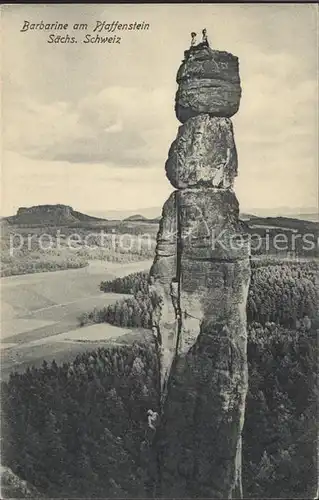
(39, 313)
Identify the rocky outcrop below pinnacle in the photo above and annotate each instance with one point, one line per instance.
(214, 267)
(203, 154)
(200, 441)
(13, 486)
(209, 82)
(200, 245)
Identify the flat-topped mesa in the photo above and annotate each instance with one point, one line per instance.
(208, 82)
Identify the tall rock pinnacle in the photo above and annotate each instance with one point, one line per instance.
(201, 274)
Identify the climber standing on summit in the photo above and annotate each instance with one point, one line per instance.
(204, 38)
(193, 35)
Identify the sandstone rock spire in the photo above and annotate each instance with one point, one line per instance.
(201, 274)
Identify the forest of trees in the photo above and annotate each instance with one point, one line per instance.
(280, 431)
(131, 284)
(283, 292)
(37, 249)
(135, 311)
(11, 266)
(130, 312)
(280, 292)
(80, 429)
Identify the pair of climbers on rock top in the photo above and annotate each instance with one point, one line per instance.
(204, 38)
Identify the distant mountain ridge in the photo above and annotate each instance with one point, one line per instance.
(60, 215)
(148, 213)
(307, 213)
(291, 223)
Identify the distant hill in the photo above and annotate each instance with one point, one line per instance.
(156, 220)
(137, 218)
(303, 213)
(58, 215)
(149, 213)
(254, 221)
(313, 217)
(247, 217)
(284, 223)
(153, 213)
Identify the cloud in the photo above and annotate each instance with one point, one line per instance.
(276, 128)
(116, 126)
(99, 115)
(81, 185)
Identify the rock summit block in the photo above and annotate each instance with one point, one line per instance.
(209, 82)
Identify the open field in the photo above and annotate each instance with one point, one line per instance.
(39, 312)
(64, 347)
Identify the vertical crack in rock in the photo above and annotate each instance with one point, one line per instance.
(179, 247)
(199, 281)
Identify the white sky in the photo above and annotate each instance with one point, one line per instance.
(90, 125)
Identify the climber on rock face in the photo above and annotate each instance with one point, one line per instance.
(174, 296)
(193, 35)
(152, 419)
